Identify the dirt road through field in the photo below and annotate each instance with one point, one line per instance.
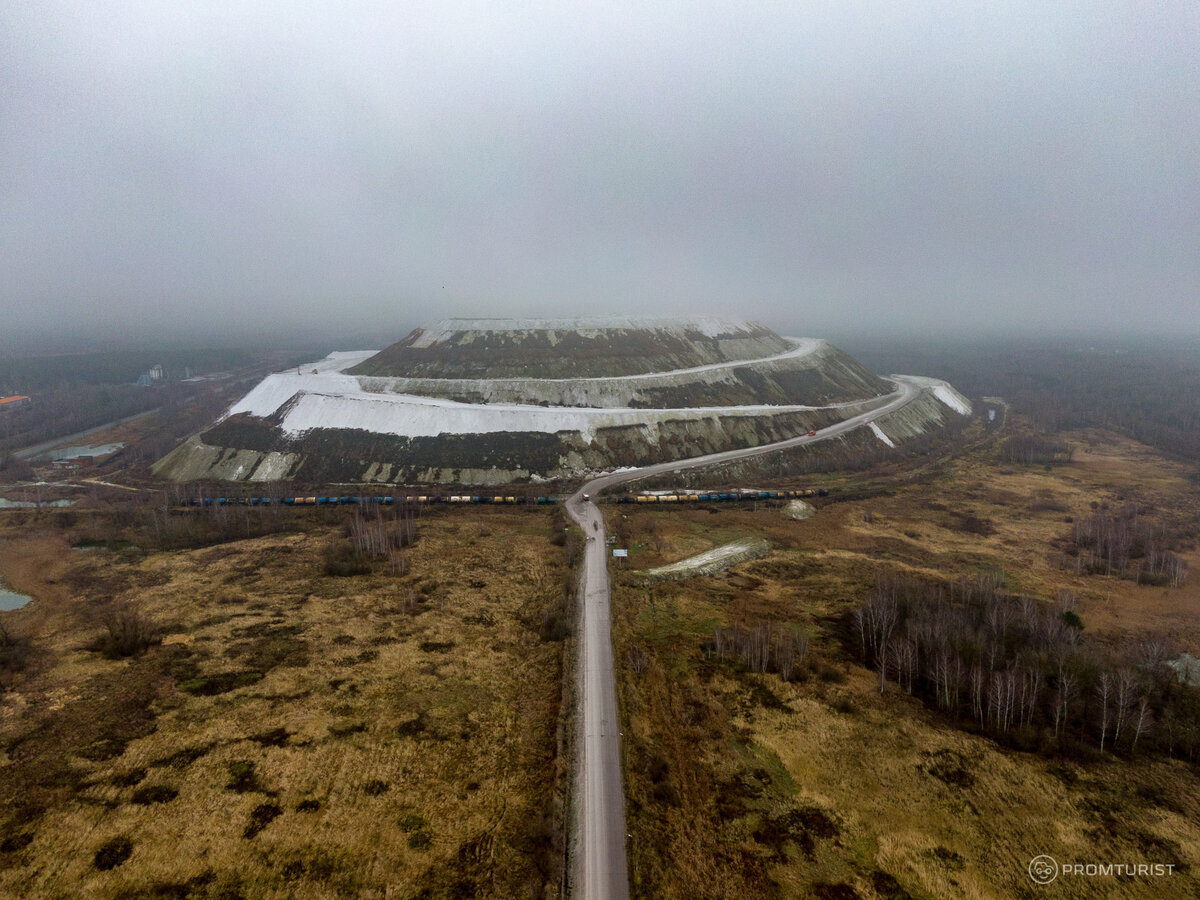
(599, 869)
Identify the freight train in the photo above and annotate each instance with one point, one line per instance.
(740, 495)
(365, 501)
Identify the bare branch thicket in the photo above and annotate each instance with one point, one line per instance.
(1022, 669)
(636, 659)
(1126, 544)
(380, 536)
(128, 632)
(766, 647)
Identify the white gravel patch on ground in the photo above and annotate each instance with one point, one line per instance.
(710, 562)
(799, 510)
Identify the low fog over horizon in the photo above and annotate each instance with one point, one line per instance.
(216, 172)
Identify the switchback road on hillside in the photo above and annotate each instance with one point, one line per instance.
(599, 870)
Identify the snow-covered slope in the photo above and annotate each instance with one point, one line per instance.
(944, 392)
(298, 401)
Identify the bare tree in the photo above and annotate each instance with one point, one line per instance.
(1064, 696)
(904, 660)
(977, 680)
(1123, 699)
(1142, 721)
(1104, 694)
(636, 659)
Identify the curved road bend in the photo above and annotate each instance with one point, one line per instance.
(599, 867)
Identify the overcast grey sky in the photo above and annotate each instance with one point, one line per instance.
(822, 166)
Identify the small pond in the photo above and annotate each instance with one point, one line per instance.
(11, 599)
(84, 450)
(29, 504)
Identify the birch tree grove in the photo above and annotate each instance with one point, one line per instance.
(380, 536)
(765, 647)
(1022, 670)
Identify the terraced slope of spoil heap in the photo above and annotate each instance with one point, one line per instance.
(644, 364)
(569, 348)
(668, 390)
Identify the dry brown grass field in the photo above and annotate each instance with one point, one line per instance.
(744, 785)
(294, 734)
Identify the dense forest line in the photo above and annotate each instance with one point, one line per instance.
(1148, 391)
(77, 392)
(23, 375)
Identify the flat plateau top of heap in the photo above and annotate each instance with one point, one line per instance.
(596, 347)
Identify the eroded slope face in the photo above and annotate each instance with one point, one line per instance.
(569, 348)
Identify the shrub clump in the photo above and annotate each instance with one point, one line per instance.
(112, 853)
(154, 793)
(343, 729)
(129, 779)
(416, 826)
(343, 561)
(99, 751)
(219, 683)
(276, 737)
(14, 656)
(260, 817)
(14, 842)
(127, 632)
(242, 777)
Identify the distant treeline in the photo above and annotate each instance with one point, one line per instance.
(74, 393)
(1151, 392)
(35, 373)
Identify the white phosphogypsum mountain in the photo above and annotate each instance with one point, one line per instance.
(571, 396)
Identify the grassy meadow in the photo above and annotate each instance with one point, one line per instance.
(742, 784)
(285, 733)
